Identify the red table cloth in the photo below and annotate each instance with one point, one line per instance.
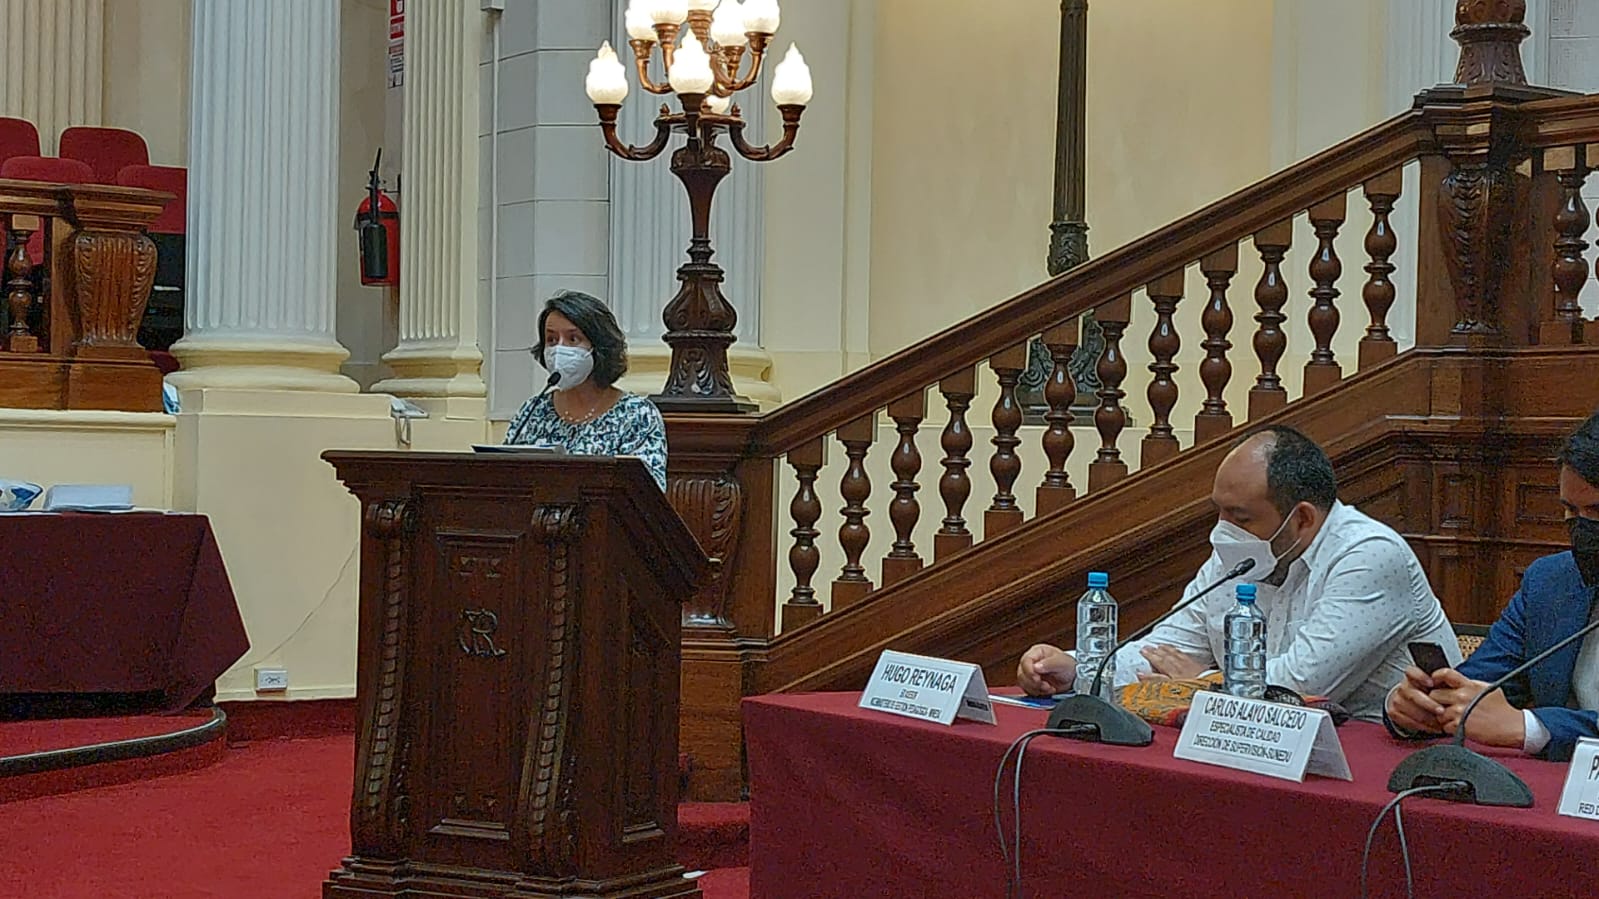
(848, 802)
(115, 603)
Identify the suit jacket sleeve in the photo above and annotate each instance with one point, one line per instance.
(1506, 647)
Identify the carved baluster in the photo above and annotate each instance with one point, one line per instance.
(1005, 465)
(803, 556)
(19, 285)
(1271, 293)
(1571, 268)
(902, 560)
(1213, 419)
(853, 535)
(1059, 392)
(1382, 192)
(1160, 443)
(1326, 217)
(1110, 418)
(955, 487)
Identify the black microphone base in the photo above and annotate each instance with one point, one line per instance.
(1485, 781)
(1097, 721)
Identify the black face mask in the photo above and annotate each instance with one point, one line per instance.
(1585, 547)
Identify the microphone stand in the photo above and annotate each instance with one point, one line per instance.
(1481, 780)
(1086, 716)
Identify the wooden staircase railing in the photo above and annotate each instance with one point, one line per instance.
(1495, 245)
(70, 336)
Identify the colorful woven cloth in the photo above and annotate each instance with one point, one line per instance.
(1167, 701)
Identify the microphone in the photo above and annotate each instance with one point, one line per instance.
(1086, 716)
(555, 378)
(1480, 779)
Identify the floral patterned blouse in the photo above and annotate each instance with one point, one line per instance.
(632, 427)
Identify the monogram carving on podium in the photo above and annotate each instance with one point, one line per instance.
(113, 272)
(476, 633)
(713, 509)
(383, 810)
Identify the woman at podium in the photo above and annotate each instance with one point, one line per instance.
(583, 349)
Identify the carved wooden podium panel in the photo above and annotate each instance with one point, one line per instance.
(518, 678)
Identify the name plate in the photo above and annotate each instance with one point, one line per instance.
(936, 690)
(1269, 738)
(1580, 798)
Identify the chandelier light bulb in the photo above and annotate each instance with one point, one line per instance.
(691, 68)
(640, 27)
(669, 12)
(762, 16)
(699, 5)
(718, 105)
(791, 80)
(607, 79)
(727, 26)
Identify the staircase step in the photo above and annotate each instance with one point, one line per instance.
(46, 758)
(713, 835)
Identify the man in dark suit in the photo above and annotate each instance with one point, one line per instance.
(1545, 710)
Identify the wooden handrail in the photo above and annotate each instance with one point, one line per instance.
(1387, 146)
(1562, 122)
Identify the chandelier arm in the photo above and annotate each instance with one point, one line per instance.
(663, 133)
(791, 119)
(642, 52)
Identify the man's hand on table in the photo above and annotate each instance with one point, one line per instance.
(1045, 670)
(1170, 662)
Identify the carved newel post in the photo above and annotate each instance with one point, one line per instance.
(1480, 191)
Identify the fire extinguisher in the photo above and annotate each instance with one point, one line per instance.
(377, 222)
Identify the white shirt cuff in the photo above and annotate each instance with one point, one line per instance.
(1537, 736)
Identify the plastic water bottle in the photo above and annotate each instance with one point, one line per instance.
(1096, 635)
(1244, 669)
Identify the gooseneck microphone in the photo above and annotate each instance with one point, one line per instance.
(1086, 716)
(555, 378)
(1481, 780)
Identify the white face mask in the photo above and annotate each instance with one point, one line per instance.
(574, 363)
(1233, 545)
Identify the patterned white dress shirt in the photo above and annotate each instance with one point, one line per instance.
(1337, 627)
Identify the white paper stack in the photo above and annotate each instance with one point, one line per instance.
(88, 498)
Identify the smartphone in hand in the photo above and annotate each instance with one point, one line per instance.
(1429, 657)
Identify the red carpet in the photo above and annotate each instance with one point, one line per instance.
(268, 822)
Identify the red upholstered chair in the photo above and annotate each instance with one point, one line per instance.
(169, 179)
(45, 168)
(106, 150)
(18, 137)
(163, 315)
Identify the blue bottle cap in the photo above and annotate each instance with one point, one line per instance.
(1098, 579)
(1246, 592)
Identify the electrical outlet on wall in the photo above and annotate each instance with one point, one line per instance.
(271, 680)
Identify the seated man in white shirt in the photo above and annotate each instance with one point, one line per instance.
(1545, 710)
(1342, 593)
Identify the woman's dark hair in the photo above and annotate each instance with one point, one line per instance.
(595, 320)
(1581, 452)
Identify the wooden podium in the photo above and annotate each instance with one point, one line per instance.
(517, 684)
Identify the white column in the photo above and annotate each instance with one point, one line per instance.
(264, 223)
(53, 64)
(650, 234)
(438, 355)
(1420, 51)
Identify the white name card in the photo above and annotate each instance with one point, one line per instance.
(1580, 798)
(936, 690)
(1269, 738)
